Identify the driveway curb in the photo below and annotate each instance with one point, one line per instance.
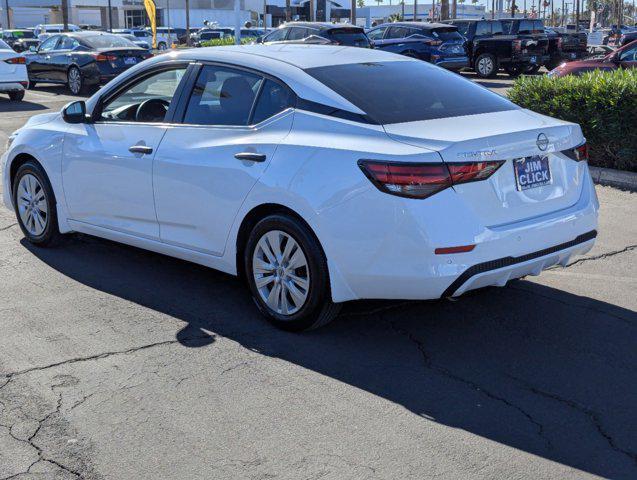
(614, 178)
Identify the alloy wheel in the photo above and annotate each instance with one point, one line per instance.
(75, 81)
(485, 65)
(32, 205)
(281, 273)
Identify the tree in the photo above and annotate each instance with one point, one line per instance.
(444, 9)
(360, 3)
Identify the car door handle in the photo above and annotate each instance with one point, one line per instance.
(250, 156)
(141, 149)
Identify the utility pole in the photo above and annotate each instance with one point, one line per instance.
(288, 13)
(576, 16)
(6, 11)
(352, 13)
(312, 3)
(492, 9)
(188, 41)
(416, 9)
(168, 17)
(454, 9)
(562, 14)
(65, 14)
(110, 17)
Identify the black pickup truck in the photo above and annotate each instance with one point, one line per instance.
(489, 48)
(565, 46)
(535, 42)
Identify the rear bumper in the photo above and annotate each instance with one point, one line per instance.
(397, 261)
(13, 86)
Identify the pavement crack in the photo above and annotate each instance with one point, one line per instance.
(473, 385)
(98, 356)
(2, 229)
(592, 415)
(599, 257)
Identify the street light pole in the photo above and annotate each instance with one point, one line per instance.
(416, 9)
(352, 16)
(6, 10)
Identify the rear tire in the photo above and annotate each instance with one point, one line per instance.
(284, 258)
(74, 81)
(35, 205)
(486, 65)
(532, 69)
(515, 70)
(16, 96)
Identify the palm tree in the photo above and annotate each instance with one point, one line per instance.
(360, 3)
(444, 9)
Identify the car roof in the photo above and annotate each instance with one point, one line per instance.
(321, 25)
(423, 25)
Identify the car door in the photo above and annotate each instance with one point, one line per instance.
(38, 62)
(59, 58)
(204, 168)
(107, 164)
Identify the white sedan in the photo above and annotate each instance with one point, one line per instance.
(319, 174)
(13, 72)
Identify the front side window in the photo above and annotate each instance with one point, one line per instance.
(222, 96)
(483, 28)
(48, 44)
(147, 100)
(377, 33)
(277, 35)
(403, 91)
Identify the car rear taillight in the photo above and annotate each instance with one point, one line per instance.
(517, 45)
(100, 57)
(421, 180)
(434, 43)
(16, 61)
(579, 154)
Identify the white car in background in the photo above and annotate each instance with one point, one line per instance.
(43, 31)
(163, 42)
(319, 174)
(14, 79)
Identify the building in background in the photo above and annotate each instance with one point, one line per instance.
(131, 13)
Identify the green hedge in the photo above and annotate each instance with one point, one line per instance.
(222, 42)
(603, 103)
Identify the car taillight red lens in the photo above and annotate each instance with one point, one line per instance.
(421, 180)
(579, 154)
(16, 60)
(100, 57)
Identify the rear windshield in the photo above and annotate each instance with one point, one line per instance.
(408, 91)
(445, 34)
(349, 37)
(108, 41)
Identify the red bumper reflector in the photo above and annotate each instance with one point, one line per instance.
(448, 250)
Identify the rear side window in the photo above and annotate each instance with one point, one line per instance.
(446, 34)
(273, 98)
(377, 33)
(483, 28)
(222, 96)
(277, 35)
(349, 37)
(297, 33)
(408, 91)
(463, 27)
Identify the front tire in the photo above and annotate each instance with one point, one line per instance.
(16, 96)
(486, 65)
(287, 274)
(35, 205)
(74, 80)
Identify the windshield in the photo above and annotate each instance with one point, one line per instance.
(408, 91)
(349, 37)
(108, 41)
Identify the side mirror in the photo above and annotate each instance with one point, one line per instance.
(75, 112)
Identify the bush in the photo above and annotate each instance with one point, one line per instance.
(222, 42)
(603, 103)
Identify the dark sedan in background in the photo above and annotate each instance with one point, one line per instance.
(336, 34)
(19, 39)
(436, 43)
(82, 59)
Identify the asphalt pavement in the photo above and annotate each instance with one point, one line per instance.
(116, 363)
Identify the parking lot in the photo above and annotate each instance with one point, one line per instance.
(117, 363)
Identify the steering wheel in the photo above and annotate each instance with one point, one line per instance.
(152, 110)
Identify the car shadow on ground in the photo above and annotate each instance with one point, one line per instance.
(528, 366)
(7, 105)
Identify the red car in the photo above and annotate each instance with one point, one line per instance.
(625, 57)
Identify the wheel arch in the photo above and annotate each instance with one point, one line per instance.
(253, 217)
(19, 160)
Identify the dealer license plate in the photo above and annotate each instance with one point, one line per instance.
(130, 60)
(531, 172)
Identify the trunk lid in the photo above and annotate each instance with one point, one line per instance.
(506, 136)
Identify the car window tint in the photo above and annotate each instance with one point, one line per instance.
(48, 44)
(67, 43)
(160, 86)
(349, 37)
(497, 28)
(297, 33)
(274, 98)
(277, 35)
(446, 34)
(377, 33)
(222, 96)
(397, 32)
(483, 28)
(408, 91)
